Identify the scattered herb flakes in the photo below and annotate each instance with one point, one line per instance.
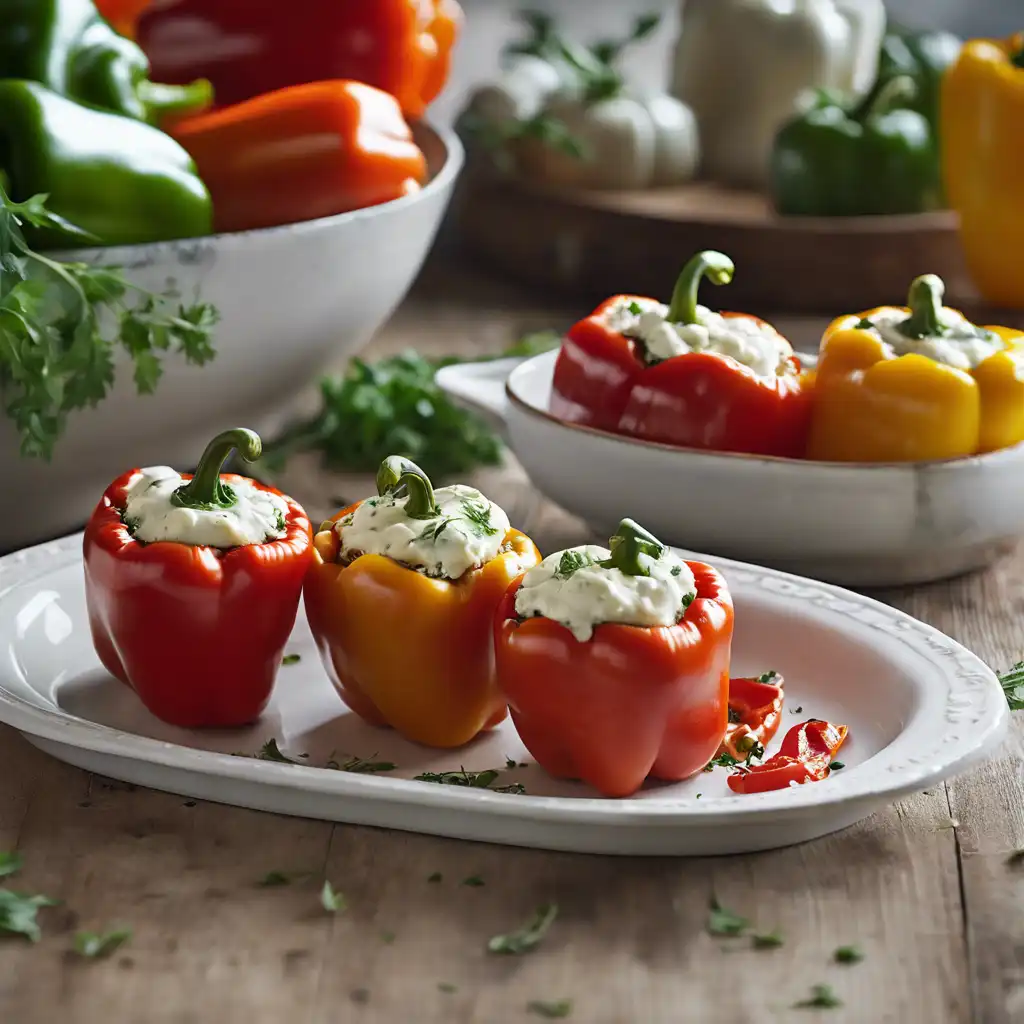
(772, 940)
(571, 562)
(474, 780)
(822, 998)
(436, 877)
(723, 760)
(447, 987)
(698, 796)
(1012, 682)
(724, 922)
(478, 515)
(767, 677)
(847, 955)
(837, 766)
(291, 659)
(510, 763)
(270, 751)
(332, 901)
(797, 710)
(361, 765)
(474, 882)
(526, 938)
(96, 945)
(18, 913)
(513, 787)
(10, 863)
(635, 308)
(387, 937)
(553, 1009)
(275, 879)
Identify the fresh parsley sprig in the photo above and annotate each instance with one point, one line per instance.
(62, 323)
(1012, 682)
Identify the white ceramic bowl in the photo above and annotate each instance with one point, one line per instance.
(859, 525)
(291, 300)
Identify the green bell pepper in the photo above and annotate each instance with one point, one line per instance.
(877, 157)
(924, 57)
(122, 181)
(68, 47)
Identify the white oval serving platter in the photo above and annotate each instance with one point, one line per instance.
(862, 525)
(919, 706)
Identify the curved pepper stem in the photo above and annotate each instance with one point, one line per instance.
(206, 490)
(715, 266)
(925, 302)
(890, 95)
(161, 100)
(633, 549)
(402, 477)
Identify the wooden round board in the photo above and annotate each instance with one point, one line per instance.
(594, 244)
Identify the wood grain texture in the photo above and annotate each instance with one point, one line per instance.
(936, 909)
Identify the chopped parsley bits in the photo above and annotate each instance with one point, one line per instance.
(291, 659)
(95, 945)
(332, 901)
(557, 1009)
(771, 940)
(822, 998)
(528, 937)
(847, 955)
(724, 922)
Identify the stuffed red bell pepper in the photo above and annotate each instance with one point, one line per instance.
(615, 663)
(682, 374)
(805, 756)
(192, 585)
(755, 710)
(251, 47)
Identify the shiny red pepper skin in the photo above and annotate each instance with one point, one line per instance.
(755, 711)
(629, 703)
(806, 753)
(252, 47)
(197, 633)
(697, 400)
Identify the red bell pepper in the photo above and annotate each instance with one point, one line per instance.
(701, 400)
(630, 702)
(197, 632)
(755, 710)
(305, 152)
(805, 756)
(252, 47)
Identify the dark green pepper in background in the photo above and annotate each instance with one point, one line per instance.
(120, 180)
(841, 160)
(68, 47)
(924, 57)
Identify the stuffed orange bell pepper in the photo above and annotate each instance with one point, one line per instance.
(982, 154)
(615, 662)
(305, 152)
(806, 756)
(251, 47)
(683, 375)
(401, 600)
(902, 384)
(192, 584)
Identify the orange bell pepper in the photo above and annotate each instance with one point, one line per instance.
(248, 48)
(408, 650)
(755, 710)
(122, 14)
(305, 152)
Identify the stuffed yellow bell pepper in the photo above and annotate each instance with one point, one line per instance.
(401, 598)
(982, 159)
(902, 384)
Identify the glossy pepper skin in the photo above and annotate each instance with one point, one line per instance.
(122, 181)
(982, 156)
(755, 711)
(695, 400)
(198, 633)
(68, 47)
(873, 406)
(875, 158)
(304, 152)
(924, 57)
(631, 702)
(805, 756)
(247, 49)
(406, 650)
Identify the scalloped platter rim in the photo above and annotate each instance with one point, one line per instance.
(920, 706)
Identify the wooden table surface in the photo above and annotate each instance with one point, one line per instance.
(924, 888)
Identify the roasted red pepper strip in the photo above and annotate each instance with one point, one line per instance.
(701, 400)
(805, 756)
(628, 703)
(252, 47)
(197, 632)
(755, 710)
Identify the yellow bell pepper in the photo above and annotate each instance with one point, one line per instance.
(408, 650)
(873, 405)
(982, 111)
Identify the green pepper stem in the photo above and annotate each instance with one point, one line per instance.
(715, 266)
(633, 549)
(161, 100)
(925, 302)
(886, 96)
(206, 490)
(402, 477)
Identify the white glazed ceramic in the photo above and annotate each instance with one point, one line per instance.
(291, 299)
(858, 525)
(919, 706)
